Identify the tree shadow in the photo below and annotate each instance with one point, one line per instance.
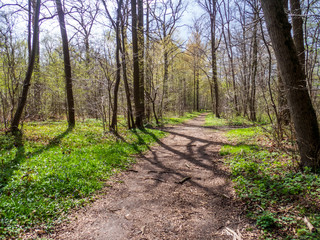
(205, 163)
(8, 168)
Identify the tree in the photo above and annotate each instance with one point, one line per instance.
(67, 65)
(167, 14)
(26, 83)
(131, 123)
(139, 107)
(301, 109)
(210, 6)
(196, 49)
(116, 25)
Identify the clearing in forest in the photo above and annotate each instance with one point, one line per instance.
(180, 189)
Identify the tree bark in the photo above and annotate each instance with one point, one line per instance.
(26, 83)
(136, 68)
(125, 78)
(214, 57)
(254, 66)
(148, 64)
(67, 65)
(301, 109)
(141, 63)
(297, 28)
(113, 126)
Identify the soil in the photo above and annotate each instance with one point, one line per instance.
(179, 189)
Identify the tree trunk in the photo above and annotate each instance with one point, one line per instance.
(301, 109)
(148, 66)
(141, 60)
(136, 69)
(113, 126)
(26, 83)
(67, 65)
(254, 66)
(165, 73)
(125, 79)
(214, 58)
(297, 28)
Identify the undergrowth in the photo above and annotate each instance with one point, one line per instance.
(212, 120)
(238, 121)
(277, 197)
(51, 169)
(179, 119)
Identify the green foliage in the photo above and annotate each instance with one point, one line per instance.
(243, 135)
(239, 121)
(212, 120)
(265, 180)
(237, 149)
(266, 221)
(56, 168)
(181, 119)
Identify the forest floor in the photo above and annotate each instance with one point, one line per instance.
(179, 189)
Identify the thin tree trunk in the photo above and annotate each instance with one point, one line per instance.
(26, 83)
(148, 65)
(67, 65)
(254, 66)
(301, 109)
(113, 126)
(141, 64)
(125, 79)
(214, 57)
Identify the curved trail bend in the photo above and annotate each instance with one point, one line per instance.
(180, 189)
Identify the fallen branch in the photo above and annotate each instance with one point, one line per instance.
(183, 180)
(234, 234)
(309, 225)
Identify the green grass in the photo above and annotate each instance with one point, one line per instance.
(243, 135)
(276, 196)
(180, 119)
(212, 120)
(52, 169)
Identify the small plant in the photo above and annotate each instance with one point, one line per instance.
(275, 195)
(267, 221)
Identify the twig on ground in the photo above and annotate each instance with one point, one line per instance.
(183, 180)
(234, 234)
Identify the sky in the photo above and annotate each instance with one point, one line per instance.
(51, 26)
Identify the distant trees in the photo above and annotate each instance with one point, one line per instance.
(131, 62)
(166, 15)
(210, 6)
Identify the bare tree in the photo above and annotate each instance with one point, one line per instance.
(210, 6)
(167, 14)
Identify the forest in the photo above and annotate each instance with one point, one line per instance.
(86, 86)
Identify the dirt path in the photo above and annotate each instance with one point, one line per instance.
(178, 190)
